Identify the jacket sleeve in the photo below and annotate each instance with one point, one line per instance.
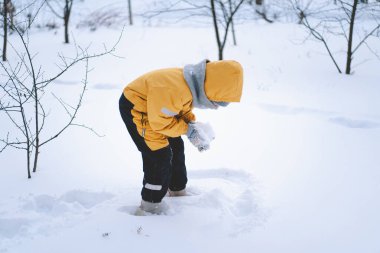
(188, 117)
(163, 107)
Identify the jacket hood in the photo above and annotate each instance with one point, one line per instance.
(194, 75)
(224, 81)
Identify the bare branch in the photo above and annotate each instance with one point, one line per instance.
(89, 128)
(14, 144)
(83, 56)
(53, 10)
(73, 115)
(23, 89)
(319, 37)
(365, 38)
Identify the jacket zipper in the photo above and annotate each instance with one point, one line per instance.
(143, 124)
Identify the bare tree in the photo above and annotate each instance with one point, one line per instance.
(23, 94)
(8, 9)
(342, 21)
(225, 21)
(65, 6)
(301, 8)
(232, 23)
(261, 10)
(5, 27)
(130, 12)
(105, 16)
(222, 13)
(352, 15)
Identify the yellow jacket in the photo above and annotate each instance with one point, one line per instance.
(163, 100)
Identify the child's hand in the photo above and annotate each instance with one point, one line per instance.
(200, 135)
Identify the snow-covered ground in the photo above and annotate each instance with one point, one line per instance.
(294, 166)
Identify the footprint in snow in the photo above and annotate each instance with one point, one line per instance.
(43, 212)
(57, 205)
(227, 197)
(338, 120)
(106, 86)
(289, 110)
(85, 198)
(352, 123)
(10, 227)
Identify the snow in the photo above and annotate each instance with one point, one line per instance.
(294, 167)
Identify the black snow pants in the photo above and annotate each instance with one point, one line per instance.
(164, 168)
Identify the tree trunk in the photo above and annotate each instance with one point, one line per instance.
(66, 18)
(29, 20)
(350, 38)
(130, 12)
(233, 33)
(5, 16)
(216, 28)
(12, 23)
(28, 161)
(66, 21)
(28, 143)
(36, 154)
(232, 24)
(220, 55)
(37, 148)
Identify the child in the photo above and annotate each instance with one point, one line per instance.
(157, 109)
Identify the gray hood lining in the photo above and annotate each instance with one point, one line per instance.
(194, 75)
